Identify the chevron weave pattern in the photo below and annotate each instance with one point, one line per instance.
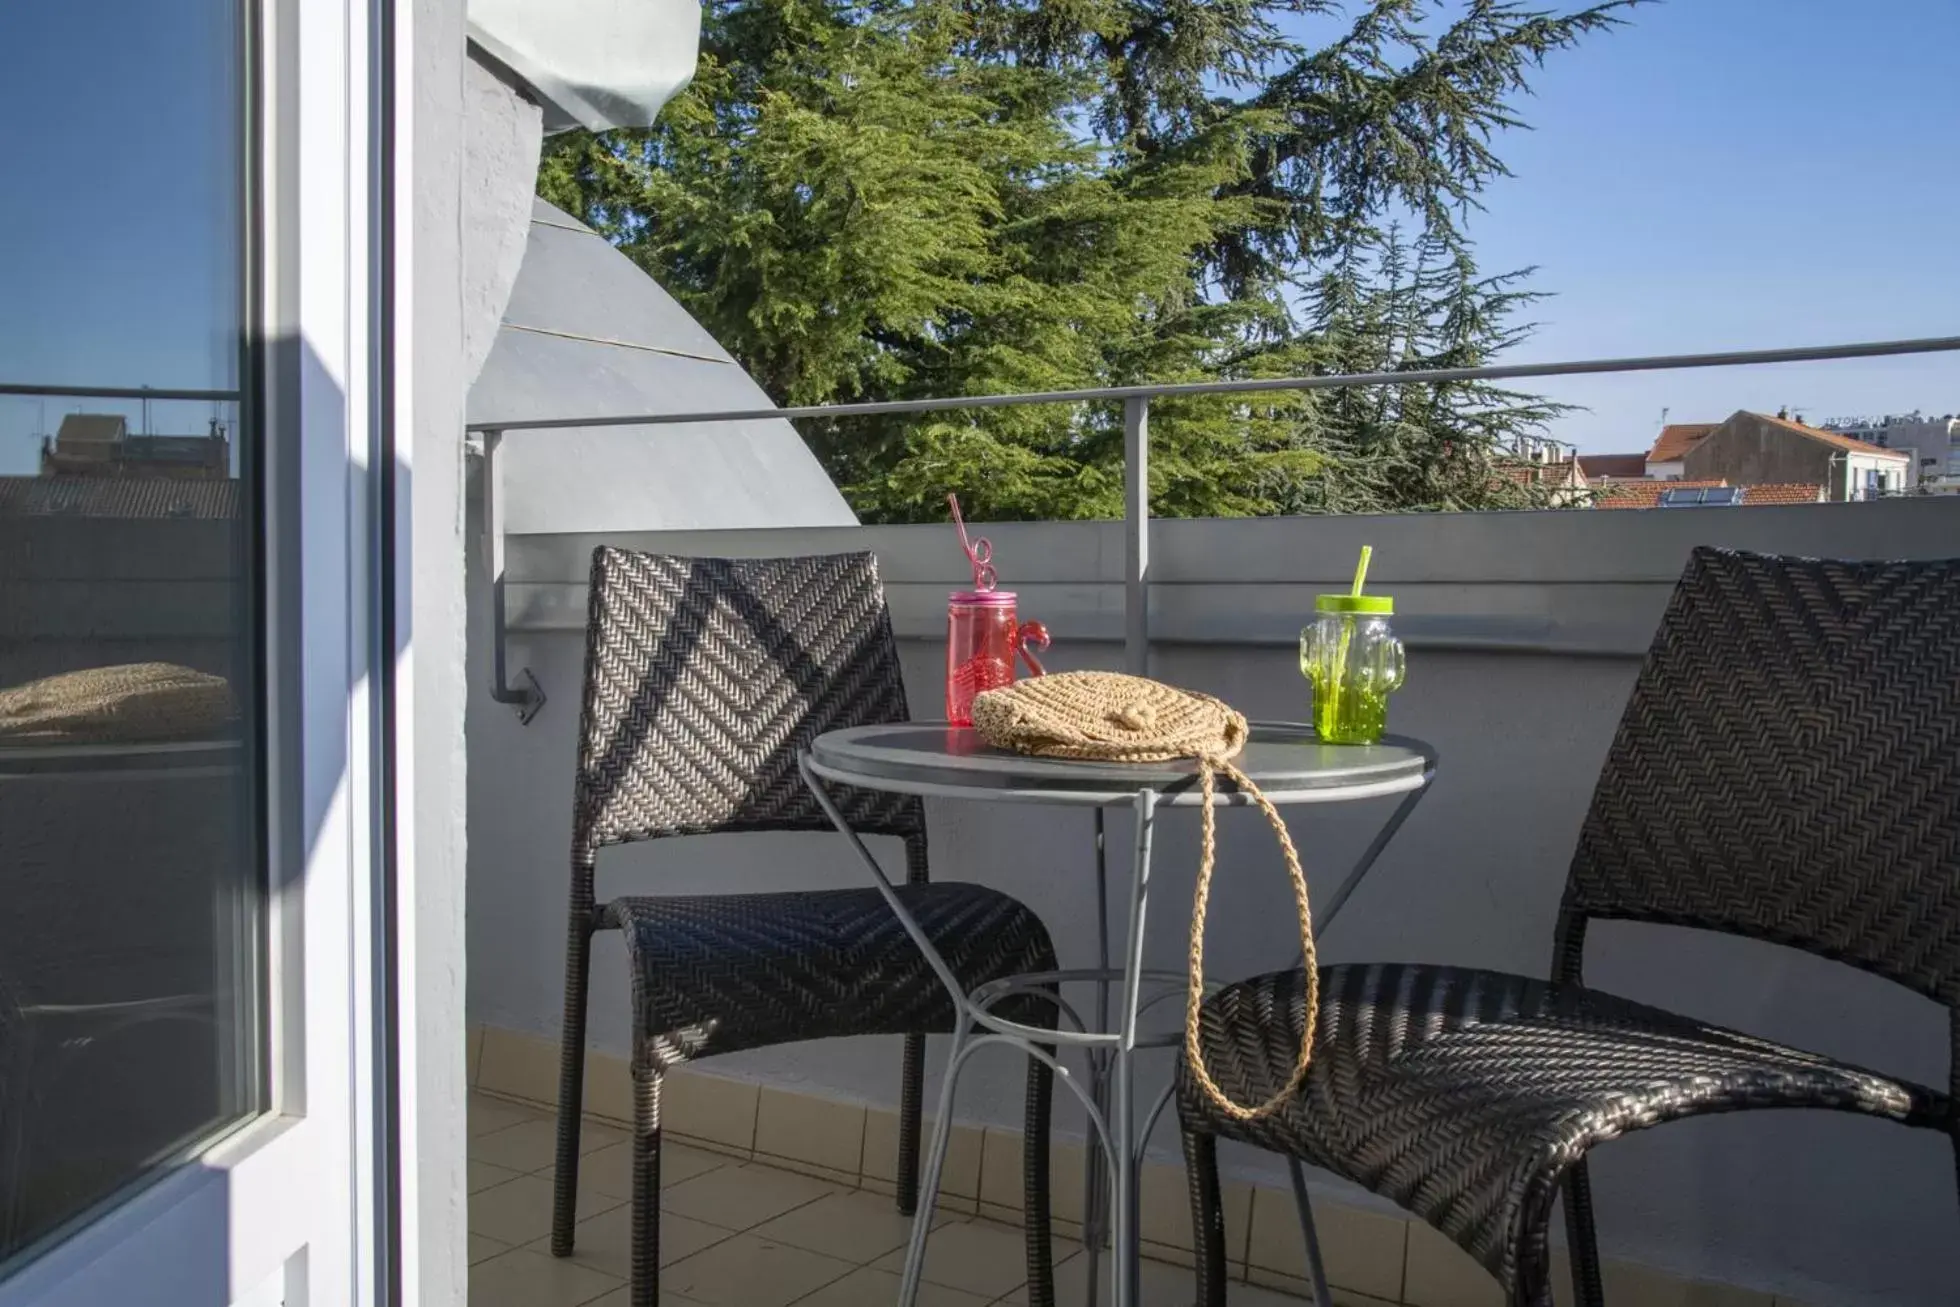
(704, 679)
(706, 676)
(1464, 1095)
(775, 968)
(1788, 768)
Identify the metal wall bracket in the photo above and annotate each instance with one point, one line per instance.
(528, 698)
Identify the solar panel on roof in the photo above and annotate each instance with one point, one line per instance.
(1701, 497)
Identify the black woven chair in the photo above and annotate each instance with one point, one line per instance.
(703, 679)
(1788, 769)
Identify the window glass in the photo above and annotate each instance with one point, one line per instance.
(130, 836)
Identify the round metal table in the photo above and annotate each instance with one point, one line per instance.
(935, 760)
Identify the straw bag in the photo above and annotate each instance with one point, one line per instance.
(134, 703)
(1106, 717)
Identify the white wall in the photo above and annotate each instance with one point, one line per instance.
(1526, 631)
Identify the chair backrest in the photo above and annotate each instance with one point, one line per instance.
(1789, 768)
(704, 678)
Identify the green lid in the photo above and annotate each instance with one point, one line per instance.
(1382, 605)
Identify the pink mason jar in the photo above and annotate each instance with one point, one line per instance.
(983, 638)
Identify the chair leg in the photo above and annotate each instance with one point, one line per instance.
(911, 1097)
(1587, 1291)
(571, 1083)
(1207, 1215)
(644, 1289)
(1035, 1183)
(1309, 1237)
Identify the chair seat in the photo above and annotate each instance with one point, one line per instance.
(1466, 1095)
(717, 973)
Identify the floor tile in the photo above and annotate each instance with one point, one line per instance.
(710, 1107)
(1289, 1290)
(485, 1176)
(976, 1257)
(1441, 1274)
(523, 1066)
(1363, 1250)
(857, 1227)
(961, 1173)
(520, 1211)
(523, 1278)
(610, 1170)
(869, 1287)
(827, 1133)
(605, 1242)
(668, 1298)
(742, 1197)
(748, 1271)
(482, 1248)
(488, 1115)
(533, 1145)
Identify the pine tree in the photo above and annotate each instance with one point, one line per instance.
(902, 198)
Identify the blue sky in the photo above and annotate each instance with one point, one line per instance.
(1741, 174)
(1718, 174)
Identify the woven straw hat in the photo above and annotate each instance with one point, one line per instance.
(129, 704)
(1107, 717)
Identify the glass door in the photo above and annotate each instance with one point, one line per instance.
(187, 778)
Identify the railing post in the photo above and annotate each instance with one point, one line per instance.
(529, 697)
(1136, 535)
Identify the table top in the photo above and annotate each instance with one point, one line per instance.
(1284, 759)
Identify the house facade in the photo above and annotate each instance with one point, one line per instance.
(1758, 449)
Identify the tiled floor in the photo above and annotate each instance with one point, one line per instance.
(736, 1234)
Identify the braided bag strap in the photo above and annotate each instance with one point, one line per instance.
(1109, 717)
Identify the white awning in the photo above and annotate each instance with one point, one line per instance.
(593, 63)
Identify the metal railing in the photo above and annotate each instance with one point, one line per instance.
(529, 697)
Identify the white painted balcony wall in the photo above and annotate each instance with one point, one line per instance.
(1525, 631)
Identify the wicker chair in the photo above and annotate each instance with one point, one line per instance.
(703, 679)
(1786, 770)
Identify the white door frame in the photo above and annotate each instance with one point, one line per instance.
(292, 1206)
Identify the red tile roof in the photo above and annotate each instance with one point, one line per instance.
(1631, 466)
(1782, 492)
(1647, 494)
(1835, 440)
(1643, 494)
(118, 497)
(1677, 438)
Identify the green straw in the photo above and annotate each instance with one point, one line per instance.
(1339, 685)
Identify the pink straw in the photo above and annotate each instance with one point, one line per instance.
(979, 553)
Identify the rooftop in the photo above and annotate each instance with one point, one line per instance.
(127, 497)
(1648, 494)
(1677, 439)
(1835, 439)
(1621, 466)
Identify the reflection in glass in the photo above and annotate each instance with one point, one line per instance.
(129, 832)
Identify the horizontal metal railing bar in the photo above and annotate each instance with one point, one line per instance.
(1496, 372)
(114, 392)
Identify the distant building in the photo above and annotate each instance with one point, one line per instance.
(100, 445)
(1664, 460)
(1613, 467)
(1932, 443)
(1751, 449)
(1561, 477)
